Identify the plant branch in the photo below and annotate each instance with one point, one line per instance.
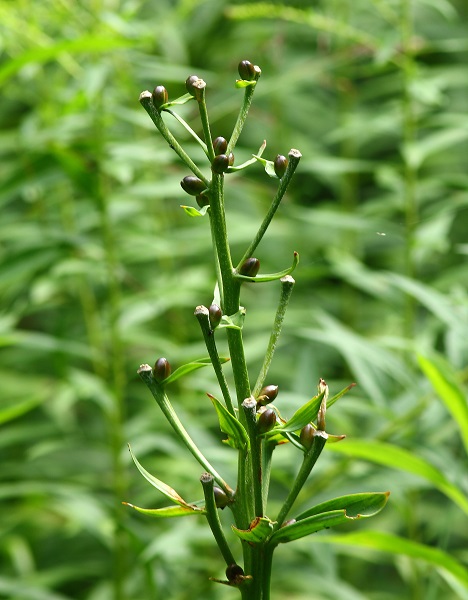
(146, 373)
(249, 407)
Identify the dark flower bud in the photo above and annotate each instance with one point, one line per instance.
(215, 315)
(221, 500)
(266, 421)
(246, 70)
(161, 369)
(220, 164)
(192, 185)
(160, 96)
(234, 572)
(307, 436)
(194, 86)
(231, 159)
(203, 199)
(267, 394)
(280, 165)
(220, 145)
(250, 267)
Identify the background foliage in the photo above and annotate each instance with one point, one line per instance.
(100, 271)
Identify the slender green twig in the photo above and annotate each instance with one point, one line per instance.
(205, 122)
(187, 127)
(146, 101)
(145, 372)
(212, 517)
(202, 314)
(310, 458)
(287, 284)
(241, 118)
(294, 158)
(249, 407)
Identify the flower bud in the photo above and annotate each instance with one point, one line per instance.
(160, 96)
(220, 164)
(307, 435)
(221, 500)
(234, 572)
(192, 185)
(250, 267)
(280, 165)
(231, 159)
(220, 145)
(215, 315)
(267, 394)
(203, 199)
(161, 369)
(266, 421)
(194, 86)
(246, 70)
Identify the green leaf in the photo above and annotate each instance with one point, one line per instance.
(268, 165)
(336, 397)
(178, 101)
(363, 504)
(251, 161)
(243, 83)
(388, 542)
(398, 458)
(235, 321)
(191, 211)
(444, 382)
(8, 413)
(262, 277)
(259, 530)
(305, 527)
(237, 435)
(188, 368)
(168, 511)
(301, 417)
(158, 484)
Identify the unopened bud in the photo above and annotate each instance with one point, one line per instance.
(220, 145)
(220, 164)
(322, 388)
(160, 96)
(231, 158)
(203, 199)
(250, 267)
(307, 435)
(246, 70)
(215, 315)
(266, 421)
(234, 572)
(280, 165)
(161, 369)
(267, 394)
(221, 500)
(194, 86)
(192, 185)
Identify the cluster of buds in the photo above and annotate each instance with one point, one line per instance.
(248, 71)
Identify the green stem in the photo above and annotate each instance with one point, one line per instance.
(267, 455)
(287, 284)
(310, 458)
(205, 123)
(146, 101)
(202, 314)
(146, 373)
(241, 118)
(266, 572)
(188, 129)
(212, 517)
(294, 158)
(249, 407)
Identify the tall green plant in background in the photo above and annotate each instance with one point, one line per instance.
(94, 249)
(255, 426)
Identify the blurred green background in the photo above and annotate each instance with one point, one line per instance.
(100, 270)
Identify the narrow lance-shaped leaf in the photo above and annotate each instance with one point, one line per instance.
(363, 504)
(237, 435)
(189, 367)
(168, 511)
(301, 417)
(157, 483)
